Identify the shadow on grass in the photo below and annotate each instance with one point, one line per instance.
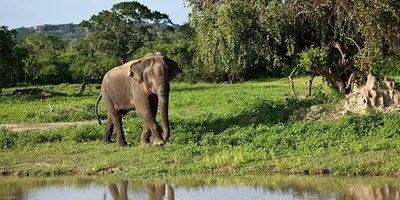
(190, 89)
(267, 113)
(30, 97)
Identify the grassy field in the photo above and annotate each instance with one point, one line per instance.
(246, 128)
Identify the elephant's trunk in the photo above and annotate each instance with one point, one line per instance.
(163, 99)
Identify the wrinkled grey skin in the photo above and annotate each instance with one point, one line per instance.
(139, 85)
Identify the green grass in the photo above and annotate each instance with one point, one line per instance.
(243, 129)
(30, 108)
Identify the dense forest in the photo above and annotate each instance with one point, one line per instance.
(342, 40)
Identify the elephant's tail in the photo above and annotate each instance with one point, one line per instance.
(97, 108)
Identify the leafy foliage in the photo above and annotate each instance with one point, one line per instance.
(337, 39)
(85, 63)
(123, 30)
(225, 41)
(10, 58)
(179, 47)
(43, 63)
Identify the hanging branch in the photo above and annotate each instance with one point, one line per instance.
(350, 81)
(291, 80)
(309, 85)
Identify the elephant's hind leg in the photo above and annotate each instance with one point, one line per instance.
(106, 137)
(117, 121)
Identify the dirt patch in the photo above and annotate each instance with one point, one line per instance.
(39, 126)
(34, 91)
(383, 96)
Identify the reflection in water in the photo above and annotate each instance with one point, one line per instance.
(359, 192)
(269, 187)
(116, 195)
(154, 191)
(157, 191)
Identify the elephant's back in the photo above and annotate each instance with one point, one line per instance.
(120, 70)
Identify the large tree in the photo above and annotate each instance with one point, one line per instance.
(123, 30)
(343, 40)
(226, 35)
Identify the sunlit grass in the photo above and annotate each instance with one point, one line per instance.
(244, 128)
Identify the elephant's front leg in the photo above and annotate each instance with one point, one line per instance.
(145, 140)
(155, 132)
(155, 129)
(106, 137)
(148, 114)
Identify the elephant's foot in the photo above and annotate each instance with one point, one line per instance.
(166, 137)
(122, 143)
(158, 142)
(106, 141)
(145, 142)
(106, 138)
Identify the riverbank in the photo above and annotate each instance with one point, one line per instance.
(237, 129)
(275, 186)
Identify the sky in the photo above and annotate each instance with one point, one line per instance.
(27, 13)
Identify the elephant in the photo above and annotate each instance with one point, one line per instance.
(138, 85)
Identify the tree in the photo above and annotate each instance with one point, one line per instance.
(222, 42)
(123, 30)
(10, 56)
(44, 63)
(85, 64)
(237, 37)
(178, 47)
(343, 40)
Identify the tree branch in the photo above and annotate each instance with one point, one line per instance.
(291, 80)
(358, 47)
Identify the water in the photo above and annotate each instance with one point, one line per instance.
(209, 188)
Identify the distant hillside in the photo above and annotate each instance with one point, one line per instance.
(66, 32)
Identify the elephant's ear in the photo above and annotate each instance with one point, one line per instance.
(174, 69)
(135, 71)
(147, 65)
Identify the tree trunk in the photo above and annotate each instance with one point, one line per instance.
(291, 80)
(309, 85)
(90, 88)
(231, 78)
(339, 81)
(84, 83)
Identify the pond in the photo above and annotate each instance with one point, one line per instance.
(210, 188)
